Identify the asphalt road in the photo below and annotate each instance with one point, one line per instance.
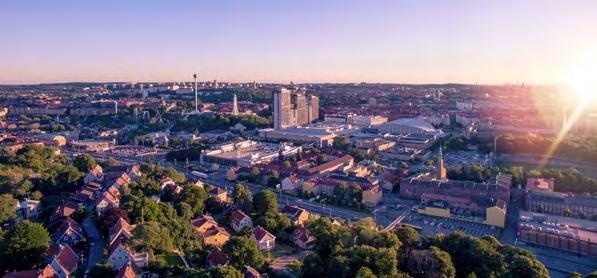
(96, 251)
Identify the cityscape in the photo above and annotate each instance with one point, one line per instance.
(298, 139)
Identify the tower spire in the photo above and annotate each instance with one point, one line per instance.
(440, 170)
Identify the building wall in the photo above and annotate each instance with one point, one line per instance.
(435, 211)
(559, 242)
(495, 216)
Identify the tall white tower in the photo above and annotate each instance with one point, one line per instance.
(196, 103)
(234, 105)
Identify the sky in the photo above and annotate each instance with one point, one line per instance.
(418, 41)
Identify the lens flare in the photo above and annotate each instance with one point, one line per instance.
(582, 84)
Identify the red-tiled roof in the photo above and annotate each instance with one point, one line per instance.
(64, 256)
(64, 210)
(260, 233)
(68, 223)
(126, 272)
(301, 233)
(216, 257)
(121, 227)
(198, 222)
(330, 165)
(236, 217)
(214, 230)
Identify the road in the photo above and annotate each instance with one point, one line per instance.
(96, 243)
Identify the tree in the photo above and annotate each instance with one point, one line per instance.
(365, 272)
(337, 266)
(407, 235)
(185, 211)
(25, 245)
(522, 266)
(194, 196)
(152, 237)
(470, 254)
(242, 197)
(312, 266)
(84, 163)
(265, 201)
(111, 162)
(386, 262)
(433, 263)
(243, 251)
(68, 178)
(574, 275)
(110, 216)
(224, 271)
(329, 239)
(176, 176)
(7, 208)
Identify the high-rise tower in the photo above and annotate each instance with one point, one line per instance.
(196, 100)
(234, 105)
(302, 111)
(440, 170)
(313, 108)
(282, 109)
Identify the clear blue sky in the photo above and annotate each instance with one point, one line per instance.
(414, 41)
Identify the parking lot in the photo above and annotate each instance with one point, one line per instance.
(433, 225)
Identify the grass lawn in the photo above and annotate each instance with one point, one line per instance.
(169, 259)
(282, 249)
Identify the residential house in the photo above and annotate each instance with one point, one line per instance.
(82, 196)
(218, 193)
(167, 184)
(121, 230)
(239, 220)
(302, 237)
(215, 236)
(69, 232)
(63, 211)
(297, 215)
(129, 271)
(291, 184)
(216, 257)
(106, 201)
(63, 260)
(203, 223)
(264, 239)
(371, 196)
(95, 174)
(120, 256)
(27, 209)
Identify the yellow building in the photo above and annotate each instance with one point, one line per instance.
(215, 236)
(435, 211)
(495, 216)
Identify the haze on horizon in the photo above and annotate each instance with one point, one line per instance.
(536, 42)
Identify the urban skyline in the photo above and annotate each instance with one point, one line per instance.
(270, 41)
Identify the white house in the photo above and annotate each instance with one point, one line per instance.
(239, 220)
(264, 239)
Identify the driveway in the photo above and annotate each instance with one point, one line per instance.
(96, 243)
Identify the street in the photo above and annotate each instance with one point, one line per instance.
(96, 243)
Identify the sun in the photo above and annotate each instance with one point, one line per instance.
(582, 81)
